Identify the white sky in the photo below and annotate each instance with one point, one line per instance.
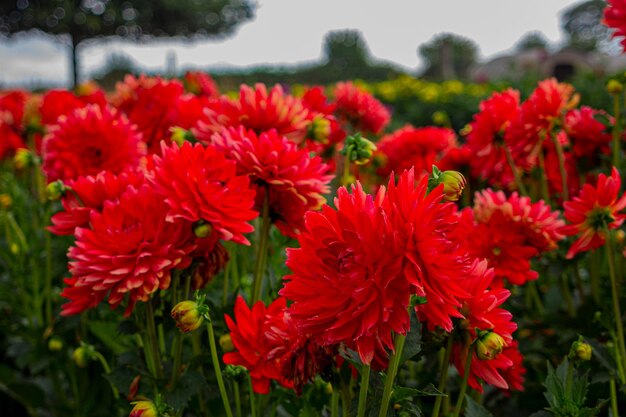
(292, 31)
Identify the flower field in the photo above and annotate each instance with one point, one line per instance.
(168, 249)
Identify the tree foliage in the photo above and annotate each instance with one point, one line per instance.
(582, 23)
(81, 20)
(532, 40)
(448, 56)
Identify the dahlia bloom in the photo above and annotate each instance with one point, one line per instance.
(594, 209)
(11, 140)
(294, 181)
(348, 284)
(502, 242)
(433, 264)
(155, 106)
(200, 84)
(514, 375)
(199, 183)
(11, 126)
(486, 138)
(88, 141)
(360, 109)
(257, 109)
(482, 313)
(540, 225)
(254, 333)
(588, 135)
(89, 194)
(545, 107)
(615, 18)
(414, 147)
(128, 252)
(57, 103)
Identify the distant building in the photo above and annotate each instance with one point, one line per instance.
(562, 64)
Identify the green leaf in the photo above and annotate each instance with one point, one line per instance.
(108, 333)
(474, 409)
(188, 386)
(413, 342)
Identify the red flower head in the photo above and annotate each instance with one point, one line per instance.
(89, 194)
(540, 225)
(155, 106)
(130, 250)
(593, 211)
(414, 147)
(10, 140)
(11, 115)
(57, 103)
(324, 129)
(360, 109)
(615, 18)
(347, 283)
(502, 242)
(434, 264)
(88, 141)
(200, 84)
(486, 138)
(514, 376)
(545, 108)
(490, 324)
(199, 183)
(295, 181)
(258, 110)
(260, 343)
(588, 135)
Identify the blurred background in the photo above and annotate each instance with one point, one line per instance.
(55, 43)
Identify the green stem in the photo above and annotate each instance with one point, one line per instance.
(218, 369)
(237, 398)
(616, 132)
(443, 375)
(346, 399)
(365, 383)
(252, 400)
(617, 312)
(579, 284)
(544, 178)
(345, 178)
(518, 179)
(394, 363)
(614, 409)
(334, 403)
(227, 270)
(107, 370)
(153, 341)
(466, 374)
(178, 338)
(197, 350)
(261, 255)
(561, 158)
(568, 380)
(48, 276)
(534, 293)
(567, 295)
(595, 276)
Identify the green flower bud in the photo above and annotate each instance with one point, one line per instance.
(55, 344)
(614, 87)
(489, 345)
(226, 343)
(202, 230)
(580, 350)
(55, 190)
(187, 316)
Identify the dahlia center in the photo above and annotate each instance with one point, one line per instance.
(599, 217)
(93, 155)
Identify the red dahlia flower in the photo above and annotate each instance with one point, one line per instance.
(593, 211)
(414, 147)
(545, 108)
(433, 263)
(259, 348)
(486, 138)
(360, 109)
(12, 108)
(88, 141)
(128, 251)
(615, 18)
(295, 181)
(347, 283)
(89, 194)
(483, 314)
(258, 110)
(514, 376)
(540, 225)
(200, 84)
(57, 103)
(199, 183)
(588, 135)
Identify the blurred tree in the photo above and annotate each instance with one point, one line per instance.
(345, 48)
(583, 26)
(81, 20)
(532, 40)
(448, 56)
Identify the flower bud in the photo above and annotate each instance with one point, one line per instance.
(81, 356)
(144, 409)
(489, 345)
(187, 316)
(580, 350)
(619, 236)
(614, 87)
(358, 149)
(24, 158)
(55, 344)
(453, 183)
(440, 118)
(133, 389)
(202, 230)
(319, 129)
(180, 136)
(5, 201)
(55, 190)
(226, 343)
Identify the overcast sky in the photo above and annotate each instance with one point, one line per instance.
(292, 31)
